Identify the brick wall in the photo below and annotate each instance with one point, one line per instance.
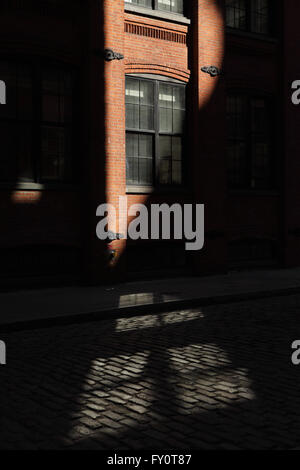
(291, 167)
(153, 45)
(38, 217)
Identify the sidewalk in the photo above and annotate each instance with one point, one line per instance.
(35, 308)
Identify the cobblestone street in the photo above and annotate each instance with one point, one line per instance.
(217, 377)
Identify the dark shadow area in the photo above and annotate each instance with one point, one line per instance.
(52, 141)
(217, 377)
(214, 378)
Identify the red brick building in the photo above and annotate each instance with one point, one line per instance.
(191, 105)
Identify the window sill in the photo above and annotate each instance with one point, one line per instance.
(38, 187)
(131, 189)
(161, 15)
(250, 35)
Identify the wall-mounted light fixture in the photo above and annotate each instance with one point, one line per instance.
(109, 55)
(212, 70)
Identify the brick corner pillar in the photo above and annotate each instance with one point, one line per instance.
(104, 128)
(114, 102)
(209, 152)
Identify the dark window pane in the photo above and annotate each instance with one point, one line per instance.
(66, 97)
(145, 146)
(177, 148)
(145, 171)
(57, 96)
(132, 145)
(24, 93)
(178, 121)
(236, 14)
(146, 118)
(259, 116)
(165, 107)
(236, 117)
(176, 160)
(260, 165)
(171, 108)
(146, 93)
(8, 152)
(132, 116)
(132, 170)
(50, 90)
(165, 160)
(176, 173)
(261, 162)
(236, 148)
(165, 147)
(165, 96)
(24, 153)
(179, 97)
(146, 105)
(132, 91)
(139, 148)
(165, 120)
(175, 6)
(164, 5)
(260, 16)
(142, 3)
(165, 171)
(132, 104)
(237, 164)
(54, 152)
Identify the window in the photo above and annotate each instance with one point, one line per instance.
(173, 6)
(155, 115)
(251, 164)
(35, 124)
(251, 16)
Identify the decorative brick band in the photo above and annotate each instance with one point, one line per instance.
(158, 69)
(154, 32)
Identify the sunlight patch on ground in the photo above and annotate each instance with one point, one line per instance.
(148, 321)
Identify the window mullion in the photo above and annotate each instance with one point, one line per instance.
(250, 142)
(156, 138)
(37, 120)
(248, 16)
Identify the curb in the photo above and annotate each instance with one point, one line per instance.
(145, 309)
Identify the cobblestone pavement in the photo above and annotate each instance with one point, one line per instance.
(212, 378)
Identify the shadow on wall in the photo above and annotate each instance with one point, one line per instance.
(47, 216)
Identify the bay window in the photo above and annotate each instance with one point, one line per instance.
(155, 119)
